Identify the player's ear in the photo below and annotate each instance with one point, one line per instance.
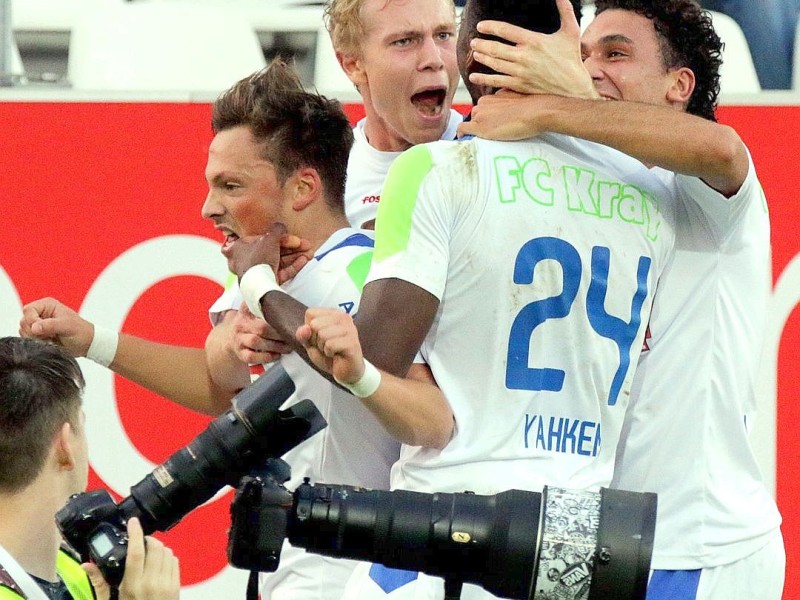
(353, 67)
(64, 452)
(682, 86)
(306, 187)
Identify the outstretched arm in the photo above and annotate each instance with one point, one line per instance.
(548, 70)
(175, 372)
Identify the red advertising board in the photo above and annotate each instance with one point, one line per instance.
(101, 207)
(773, 136)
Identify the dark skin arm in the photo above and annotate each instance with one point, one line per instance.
(281, 311)
(393, 318)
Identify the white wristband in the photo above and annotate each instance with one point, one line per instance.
(103, 348)
(255, 283)
(368, 383)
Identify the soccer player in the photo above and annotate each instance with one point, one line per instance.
(43, 461)
(400, 55)
(686, 435)
(278, 154)
(523, 273)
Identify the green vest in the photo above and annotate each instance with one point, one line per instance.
(71, 573)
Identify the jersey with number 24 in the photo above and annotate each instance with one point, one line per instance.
(544, 255)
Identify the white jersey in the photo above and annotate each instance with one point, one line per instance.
(354, 448)
(685, 436)
(544, 255)
(366, 172)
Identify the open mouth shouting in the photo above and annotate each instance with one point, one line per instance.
(429, 102)
(228, 240)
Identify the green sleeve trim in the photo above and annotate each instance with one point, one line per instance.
(398, 199)
(230, 281)
(358, 269)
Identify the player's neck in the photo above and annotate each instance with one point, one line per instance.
(29, 533)
(378, 132)
(325, 224)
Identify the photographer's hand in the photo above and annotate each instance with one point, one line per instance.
(151, 569)
(102, 591)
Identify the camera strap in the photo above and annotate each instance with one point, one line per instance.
(252, 586)
(16, 578)
(7, 581)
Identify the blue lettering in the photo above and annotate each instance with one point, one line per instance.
(569, 434)
(584, 437)
(555, 434)
(562, 434)
(621, 332)
(529, 420)
(540, 434)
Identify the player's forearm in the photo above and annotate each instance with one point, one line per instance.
(413, 412)
(227, 371)
(285, 315)
(176, 372)
(656, 135)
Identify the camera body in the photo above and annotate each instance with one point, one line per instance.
(259, 519)
(232, 446)
(93, 525)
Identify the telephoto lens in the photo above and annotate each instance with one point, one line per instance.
(564, 544)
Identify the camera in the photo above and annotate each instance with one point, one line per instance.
(570, 545)
(565, 544)
(233, 445)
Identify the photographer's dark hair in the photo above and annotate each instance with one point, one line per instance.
(687, 39)
(297, 128)
(40, 390)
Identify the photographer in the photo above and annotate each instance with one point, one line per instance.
(43, 461)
